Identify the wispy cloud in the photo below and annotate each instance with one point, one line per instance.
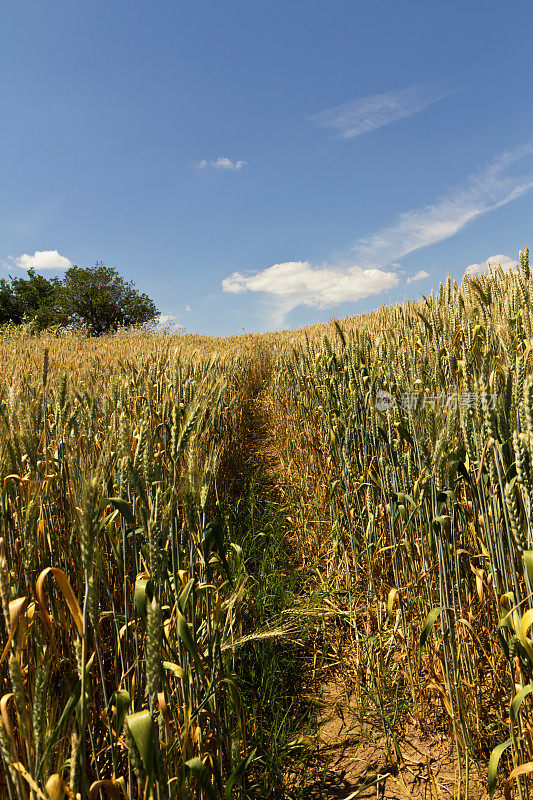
(295, 283)
(366, 114)
(42, 259)
(366, 271)
(421, 275)
(506, 178)
(506, 262)
(220, 163)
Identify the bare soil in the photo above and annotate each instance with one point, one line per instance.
(358, 763)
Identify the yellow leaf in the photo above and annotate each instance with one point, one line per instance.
(21, 769)
(54, 787)
(68, 594)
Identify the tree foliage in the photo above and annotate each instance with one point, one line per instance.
(96, 298)
(32, 298)
(101, 299)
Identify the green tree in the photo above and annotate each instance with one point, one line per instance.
(10, 310)
(100, 299)
(29, 299)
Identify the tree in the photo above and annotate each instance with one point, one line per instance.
(33, 298)
(95, 297)
(99, 298)
(10, 310)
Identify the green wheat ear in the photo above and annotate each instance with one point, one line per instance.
(524, 263)
(528, 404)
(6, 750)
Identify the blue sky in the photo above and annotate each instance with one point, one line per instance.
(262, 165)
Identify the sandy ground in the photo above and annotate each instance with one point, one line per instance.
(358, 764)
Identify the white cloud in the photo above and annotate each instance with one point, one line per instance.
(377, 110)
(295, 283)
(418, 276)
(188, 308)
(488, 189)
(506, 262)
(221, 163)
(227, 163)
(43, 259)
(506, 178)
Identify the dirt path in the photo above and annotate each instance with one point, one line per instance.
(361, 765)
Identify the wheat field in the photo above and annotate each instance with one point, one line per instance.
(190, 525)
